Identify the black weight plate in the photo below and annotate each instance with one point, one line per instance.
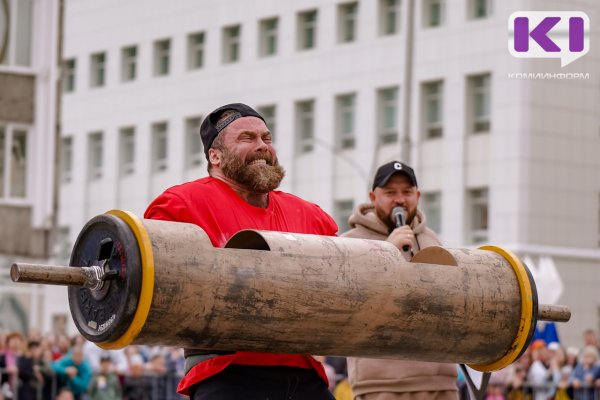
(104, 315)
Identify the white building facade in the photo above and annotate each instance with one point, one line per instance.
(345, 86)
(29, 76)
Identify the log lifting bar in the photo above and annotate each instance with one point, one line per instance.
(135, 281)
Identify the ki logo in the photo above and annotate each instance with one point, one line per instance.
(549, 34)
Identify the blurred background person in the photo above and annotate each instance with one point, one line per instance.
(65, 394)
(73, 372)
(60, 346)
(17, 377)
(539, 376)
(105, 384)
(586, 375)
(561, 372)
(590, 338)
(137, 386)
(516, 388)
(156, 370)
(42, 368)
(94, 353)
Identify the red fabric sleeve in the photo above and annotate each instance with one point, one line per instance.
(166, 207)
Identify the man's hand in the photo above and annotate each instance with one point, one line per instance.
(401, 236)
(71, 372)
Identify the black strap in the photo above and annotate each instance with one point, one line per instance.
(479, 393)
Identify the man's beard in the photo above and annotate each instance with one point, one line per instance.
(261, 178)
(390, 221)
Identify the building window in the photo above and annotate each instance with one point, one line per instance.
(268, 37)
(59, 323)
(127, 151)
(387, 115)
(98, 70)
(68, 78)
(432, 93)
(433, 13)
(231, 44)
(194, 153)
(66, 159)
(95, 156)
(479, 103)
(479, 9)
(478, 215)
(18, 163)
(345, 119)
(269, 114)
(307, 30)
(13, 161)
(305, 126)
(389, 17)
(162, 57)
(342, 210)
(128, 63)
(16, 32)
(347, 22)
(159, 147)
(63, 244)
(195, 50)
(431, 204)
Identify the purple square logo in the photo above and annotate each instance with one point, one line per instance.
(549, 34)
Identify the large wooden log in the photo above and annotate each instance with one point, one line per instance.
(292, 293)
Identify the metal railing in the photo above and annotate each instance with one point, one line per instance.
(539, 392)
(149, 386)
(164, 387)
(153, 387)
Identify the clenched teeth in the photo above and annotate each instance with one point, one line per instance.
(260, 161)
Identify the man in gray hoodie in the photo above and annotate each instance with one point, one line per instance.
(395, 185)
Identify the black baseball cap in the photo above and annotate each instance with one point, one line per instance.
(385, 172)
(209, 129)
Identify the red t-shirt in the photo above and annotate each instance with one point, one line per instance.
(211, 204)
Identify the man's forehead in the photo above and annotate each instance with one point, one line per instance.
(244, 126)
(248, 124)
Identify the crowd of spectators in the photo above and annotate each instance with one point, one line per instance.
(549, 371)
(55, 366)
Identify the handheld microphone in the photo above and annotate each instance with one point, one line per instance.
(398, 214)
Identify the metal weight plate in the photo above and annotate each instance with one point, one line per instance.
(105, 314)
